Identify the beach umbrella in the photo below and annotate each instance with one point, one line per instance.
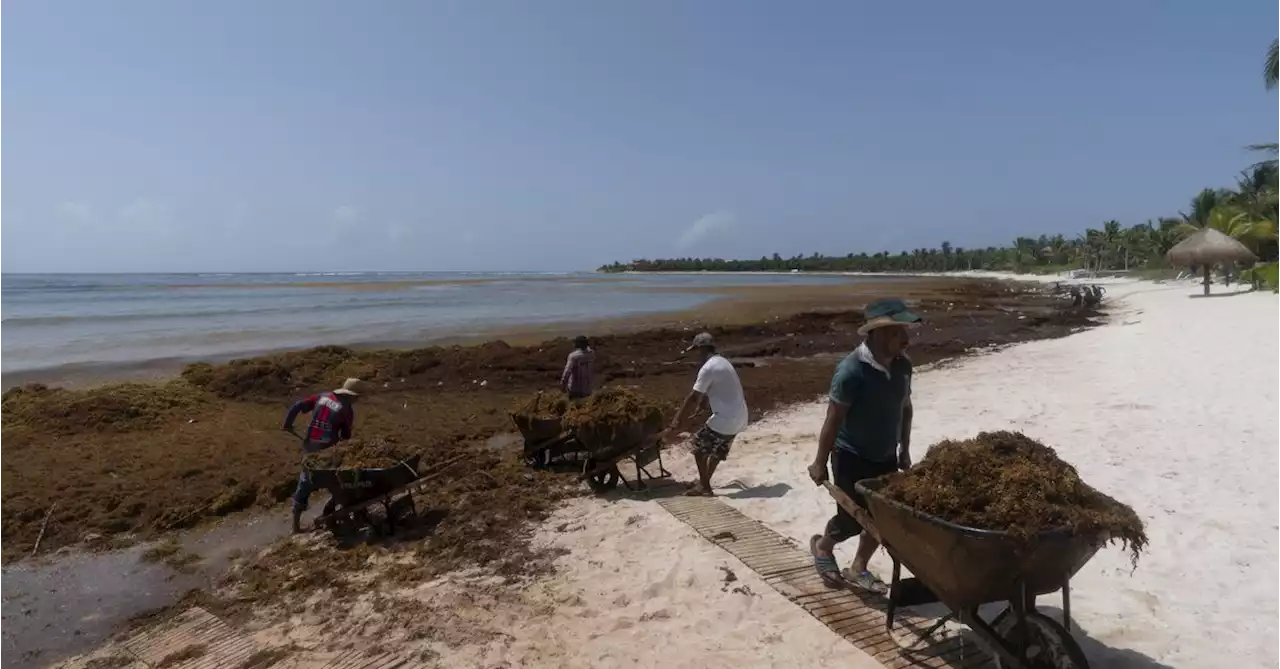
(1208, 247)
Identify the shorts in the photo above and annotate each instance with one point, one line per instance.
(846, 470)
(711, 444)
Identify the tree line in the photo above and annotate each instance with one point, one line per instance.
(1247, 212)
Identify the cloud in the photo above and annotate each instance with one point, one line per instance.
(399, 232)
(708, 226)
(144, 215)
(75, 213)
(346, 214)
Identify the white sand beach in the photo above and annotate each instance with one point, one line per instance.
(1171, 407)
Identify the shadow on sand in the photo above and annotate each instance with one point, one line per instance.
(1236, 293)
(1099, 654)
(771, 491)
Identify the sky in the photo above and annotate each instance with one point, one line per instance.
(316, 135)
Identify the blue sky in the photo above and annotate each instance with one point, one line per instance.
(561, 134)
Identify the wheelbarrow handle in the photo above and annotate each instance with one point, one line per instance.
(851, 507)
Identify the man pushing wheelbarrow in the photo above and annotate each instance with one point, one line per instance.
(332, 417)
(866, 433)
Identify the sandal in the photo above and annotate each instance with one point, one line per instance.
(827, 567)
(865, 581)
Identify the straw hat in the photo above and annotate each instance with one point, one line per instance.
(349, 388)
(886, 312)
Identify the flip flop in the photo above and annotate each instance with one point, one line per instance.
(826, 566)
(865, 581)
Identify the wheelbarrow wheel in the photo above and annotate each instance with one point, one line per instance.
(601, 482)
(1049, 644)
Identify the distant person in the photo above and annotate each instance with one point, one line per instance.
(866, 434)
(718, 385)
(576, 377)
(332, 416)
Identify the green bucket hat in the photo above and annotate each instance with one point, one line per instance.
(890, 311)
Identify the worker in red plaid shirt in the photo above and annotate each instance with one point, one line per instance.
(332, 415)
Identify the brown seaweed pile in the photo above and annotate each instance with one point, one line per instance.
(611, 408)
(542, 405)
(1009, 482)
(126, 407)
(374, 453)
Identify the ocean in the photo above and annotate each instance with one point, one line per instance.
(60, 321)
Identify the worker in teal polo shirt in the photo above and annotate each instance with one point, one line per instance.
(866, 434)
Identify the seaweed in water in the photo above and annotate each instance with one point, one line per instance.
(1006, 481)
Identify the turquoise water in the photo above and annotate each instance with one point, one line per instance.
(53, 321)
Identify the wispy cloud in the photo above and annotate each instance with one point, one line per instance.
(144, 212)
(710, 225)
(346, 214)
(77, 213)
(146, 217)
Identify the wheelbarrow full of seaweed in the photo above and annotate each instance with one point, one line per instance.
(354, 489)
(993, 519)
(608, 445)
(540, 421)
(614, 425)
(966, 568)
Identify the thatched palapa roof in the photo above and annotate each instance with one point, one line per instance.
(1209, 247)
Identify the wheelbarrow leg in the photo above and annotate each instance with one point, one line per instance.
(1020, 620)
(893, 605)
(391, 521)
(1066, 604)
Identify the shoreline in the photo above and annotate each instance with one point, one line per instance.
(725, 305)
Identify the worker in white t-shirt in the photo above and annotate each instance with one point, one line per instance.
(717, 385)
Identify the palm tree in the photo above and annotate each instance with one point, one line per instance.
(1163, 236)
(1270, 77)
(1234, 221)
(1202, 204)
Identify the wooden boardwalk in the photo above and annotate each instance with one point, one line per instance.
(197, 639)
(788, 569)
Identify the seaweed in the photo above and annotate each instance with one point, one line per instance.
(371, 453)
(611, 408)
(542, 405)
(1007, 481)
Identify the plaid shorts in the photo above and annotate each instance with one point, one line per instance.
(709, 443)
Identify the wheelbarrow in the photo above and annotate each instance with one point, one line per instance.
(354, 490)
(965, 568)
(608, 445)
(545, 440)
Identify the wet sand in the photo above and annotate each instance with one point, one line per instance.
(71, 602)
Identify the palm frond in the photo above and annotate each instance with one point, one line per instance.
(1271, 70)
(1184, 229)
(1270, 147)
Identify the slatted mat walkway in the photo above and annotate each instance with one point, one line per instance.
(211, 643)
(788, 568)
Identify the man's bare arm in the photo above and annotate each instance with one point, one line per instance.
(689, 407)
(827, 440)
(904, 437)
